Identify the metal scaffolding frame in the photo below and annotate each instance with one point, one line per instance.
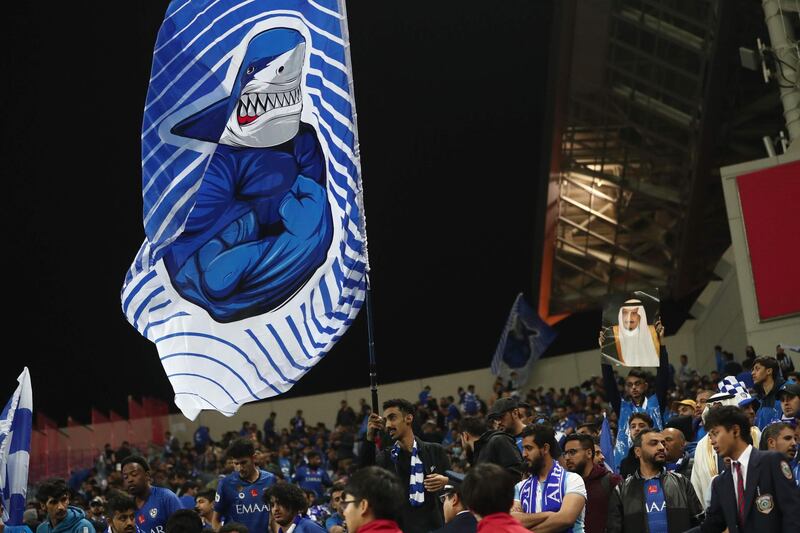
(629, 153)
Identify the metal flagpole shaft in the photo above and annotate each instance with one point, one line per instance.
(373, 366)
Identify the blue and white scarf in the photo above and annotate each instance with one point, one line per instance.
(416, 490)
(552, 492)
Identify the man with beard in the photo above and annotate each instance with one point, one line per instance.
(121, 510)
(779, 437)
(313, 476)
(154, 504)
(653, 499)
(507, 413)
(579, 458)
(287, 503)
(757, 493)
(419, 465)
(240, 494)
(484, 445)
(551, 499)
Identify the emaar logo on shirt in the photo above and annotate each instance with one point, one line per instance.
(655, 508)
(242, 508)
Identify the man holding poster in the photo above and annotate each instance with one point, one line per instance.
(634, 341)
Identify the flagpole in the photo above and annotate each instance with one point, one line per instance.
(373, 366)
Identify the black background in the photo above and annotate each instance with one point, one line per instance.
(450, 99)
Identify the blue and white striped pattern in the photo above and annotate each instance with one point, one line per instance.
(416, 487)
(221, 366)
(16, 422)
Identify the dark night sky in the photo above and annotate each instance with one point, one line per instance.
(450, 105)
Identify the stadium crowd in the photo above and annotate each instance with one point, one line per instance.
(627, 452)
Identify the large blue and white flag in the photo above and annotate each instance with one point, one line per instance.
(524, 339)
(16, 422)
(254, 262)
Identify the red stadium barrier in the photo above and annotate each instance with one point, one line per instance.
(57, 452)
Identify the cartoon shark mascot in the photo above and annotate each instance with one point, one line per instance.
(261, 224)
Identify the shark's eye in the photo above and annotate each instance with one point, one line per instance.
(251, 69)
(280, 70)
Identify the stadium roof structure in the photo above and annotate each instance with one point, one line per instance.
(648, 100)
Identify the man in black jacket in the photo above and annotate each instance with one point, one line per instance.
(757, 493)
(486, 446)
(456, 515)
(425, 513)
(653, 499)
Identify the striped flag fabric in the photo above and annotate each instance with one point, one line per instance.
(524, 339)
(254, 261)
(16, 424)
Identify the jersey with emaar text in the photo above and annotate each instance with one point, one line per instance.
(243, 502)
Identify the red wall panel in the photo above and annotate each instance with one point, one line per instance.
(769, 200)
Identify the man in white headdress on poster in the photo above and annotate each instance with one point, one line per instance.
(637, 341)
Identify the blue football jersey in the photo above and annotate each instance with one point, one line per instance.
(243, 502)
(153, 515)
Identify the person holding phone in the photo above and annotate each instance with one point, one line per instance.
(420, 465)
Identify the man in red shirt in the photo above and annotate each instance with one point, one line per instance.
(372, 501)
(489, 493)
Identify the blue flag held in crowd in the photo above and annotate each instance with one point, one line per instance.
(607, 444)
(524, 339)
(16, 422)
(254, 262)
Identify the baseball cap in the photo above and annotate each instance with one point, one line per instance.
(502, 406)
(690, 403)
(791, 388)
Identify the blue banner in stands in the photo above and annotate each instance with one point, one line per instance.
(524, 339)
(254, 262)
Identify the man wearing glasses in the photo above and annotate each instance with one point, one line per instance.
(457, 517)
(373, 501)
(579, 458)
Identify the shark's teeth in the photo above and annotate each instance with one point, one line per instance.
(256, 104)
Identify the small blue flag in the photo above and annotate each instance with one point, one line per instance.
(524, 339)
(16, 422)
(607, 444)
